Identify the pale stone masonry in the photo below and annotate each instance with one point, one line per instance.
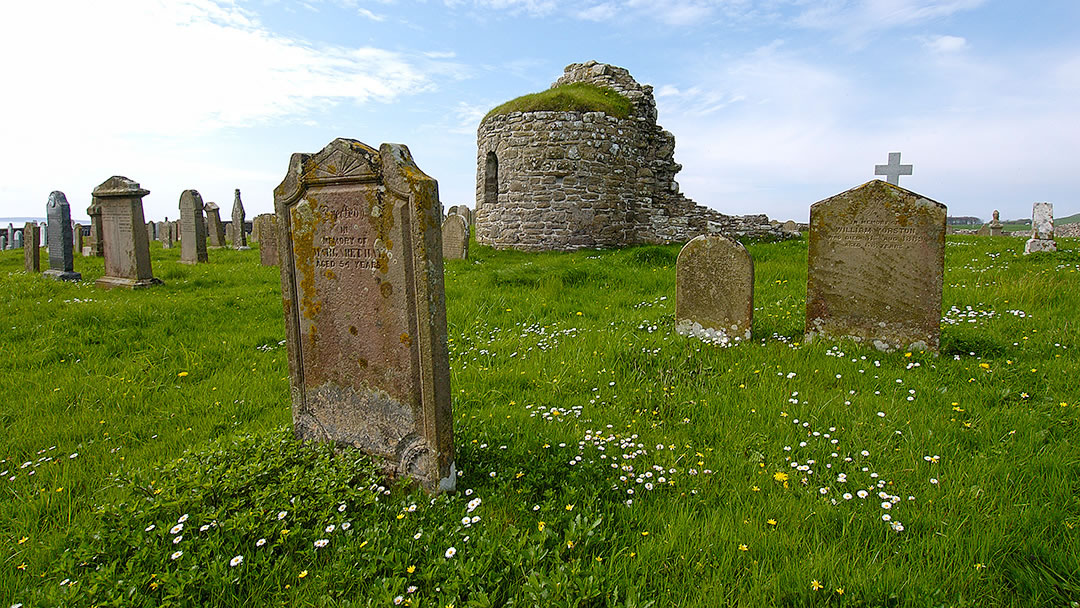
(572, 180)
(1042, 229)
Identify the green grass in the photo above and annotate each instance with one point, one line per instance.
(136, 408)
(573, 97)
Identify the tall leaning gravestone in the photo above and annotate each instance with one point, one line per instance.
(126, 251)
(876, 266)
(714, 290)
(61, 245)
(365, 314)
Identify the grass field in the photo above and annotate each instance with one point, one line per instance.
(146, 458)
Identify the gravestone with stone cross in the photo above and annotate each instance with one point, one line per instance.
(61, 256)
(365, 314)
(97, 237)
(893, 170)
(31, 250)
(268, 246)
(215, 231)
(455, 238)
(239, 236)
(876, 266)
(1042, 229)
(18, 239)
(127, 252)
(192, 228)
(714, 290)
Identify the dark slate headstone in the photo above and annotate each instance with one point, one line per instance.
(61, 255)
(365, 314)
(714, 290)
(31, 250)
(239, 236)
(876, 267)
(127, 252)
(215, 231)
(192, 228)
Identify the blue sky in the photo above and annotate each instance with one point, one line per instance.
(774, 104)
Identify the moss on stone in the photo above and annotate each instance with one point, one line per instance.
(573, 97)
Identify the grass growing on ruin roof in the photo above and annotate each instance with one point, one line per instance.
(605, 461)
(573, 97)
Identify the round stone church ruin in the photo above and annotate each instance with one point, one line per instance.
(566, 180)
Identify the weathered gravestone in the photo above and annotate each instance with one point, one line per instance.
(151, 232)
(18, 239)
(214, 230)
(77, 238)
(790, 227)
(127, 252)
(165, 234)
(97, 238)
(455, 238)
(267, 226)
(365, 315)
(61, 256)
(3, 240)
(239, 236)
(876, 265)
(983, 230)
(31, 250)
(714, 290)
(9, 234)
(1042, 229)
(192, 228)
(995, 224)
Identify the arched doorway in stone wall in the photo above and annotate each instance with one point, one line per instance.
(491, 180)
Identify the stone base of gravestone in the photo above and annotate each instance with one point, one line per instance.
(111, 282)
(62, 275)
(1039, 245)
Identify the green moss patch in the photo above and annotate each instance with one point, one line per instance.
(573, 97)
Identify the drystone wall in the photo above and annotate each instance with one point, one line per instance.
(572, 180)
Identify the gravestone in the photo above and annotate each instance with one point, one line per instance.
(151, 232)
(31, 250)
(995, 224)
(77, 238)
(165, 234)
(9, 234)
(45, 235)
(876, 266)
(214, 230)
(239, 237)
(455, 238)
(983, 230)
(192, 228)
(267, 226)
(790, 227)
(893, 170)
(1042, 229)
(365, 314)
(97, 237)
(18, 239)
(3, 240)
(127, 252)
(61, 256)
(714, 290)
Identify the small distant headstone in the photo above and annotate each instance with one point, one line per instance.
(192, 228)
(3, 241)
(365, 313)
(31, 250)
(983, 230)
(61, 256)
(77, 238)
(97, 237)
(266, 225)
(790, 227)
(9, 234)
(151, 232)
(18, 239)
(165, 234)
(45, 235)
(893, 170)
(714, 290)
(239, 236)
(995, 224)
(214, 229)
(1042, 229)
(455, 238)
(127, 252)
(876, 267)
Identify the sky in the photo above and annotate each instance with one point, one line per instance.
(774, 104)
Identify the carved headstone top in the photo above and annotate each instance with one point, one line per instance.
(876, 267)
(714, 290)
(365, 317)
(123, 230)
(61, 241)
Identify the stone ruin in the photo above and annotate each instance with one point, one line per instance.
(571, 180)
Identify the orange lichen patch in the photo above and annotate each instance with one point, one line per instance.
(406, 339)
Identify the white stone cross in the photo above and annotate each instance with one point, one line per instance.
(893, 170)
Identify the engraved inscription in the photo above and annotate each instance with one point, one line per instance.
(876, 235)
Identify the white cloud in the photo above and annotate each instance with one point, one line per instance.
(944, 44)
(598, 12)
(854, 20)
